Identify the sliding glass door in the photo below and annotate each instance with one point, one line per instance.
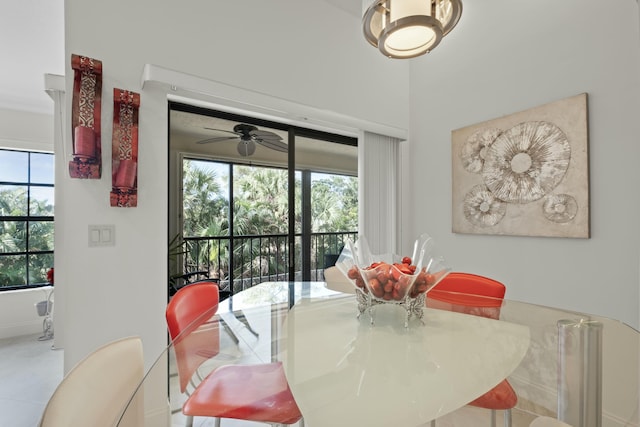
(253, 201)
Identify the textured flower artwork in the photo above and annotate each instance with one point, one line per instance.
(524, 174)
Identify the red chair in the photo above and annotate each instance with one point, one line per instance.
(247, 392)
(479, 296)
(195, 337)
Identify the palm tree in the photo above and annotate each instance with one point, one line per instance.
(13, 238)
(203, 200)
(260, 208)
(204, 213)
(261, 200)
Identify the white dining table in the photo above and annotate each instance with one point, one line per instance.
(346, 371)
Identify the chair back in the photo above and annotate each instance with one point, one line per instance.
(194, 334)
(336, 281)
(98, 388)
(468, 293)
(191, 306)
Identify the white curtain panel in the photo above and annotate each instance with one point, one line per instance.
(378, 157)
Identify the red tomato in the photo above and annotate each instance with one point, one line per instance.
(404, 268)
(376, 288)
(396, 273)
(353, 273)
(406, 260)
(383, 275)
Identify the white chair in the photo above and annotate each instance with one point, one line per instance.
(548, 422)
(96, 391)
(336, 281)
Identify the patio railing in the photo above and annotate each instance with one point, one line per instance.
(251, 259)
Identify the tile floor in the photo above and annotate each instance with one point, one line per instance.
(30, 370)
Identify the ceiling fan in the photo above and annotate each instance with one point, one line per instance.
(247, 137)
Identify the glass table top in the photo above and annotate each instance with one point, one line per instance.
(374, 371)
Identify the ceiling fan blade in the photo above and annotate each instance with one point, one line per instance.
(217, 139)
(274, 145)
(222, 130)
(265, 135)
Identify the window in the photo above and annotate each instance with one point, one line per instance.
(26, 218)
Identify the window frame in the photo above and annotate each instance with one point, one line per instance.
(28, 219)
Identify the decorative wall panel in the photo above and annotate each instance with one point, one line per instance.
(85, 118)
(524, 174)
(124, 163)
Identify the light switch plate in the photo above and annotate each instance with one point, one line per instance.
(102, 235)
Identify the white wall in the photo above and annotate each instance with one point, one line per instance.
(18, 311)
(307, 52)
(506, 57)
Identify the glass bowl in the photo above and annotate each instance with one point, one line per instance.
(392, 278)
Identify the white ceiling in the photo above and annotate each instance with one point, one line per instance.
(32, 45)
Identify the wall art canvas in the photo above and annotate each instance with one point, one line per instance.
(525, 174)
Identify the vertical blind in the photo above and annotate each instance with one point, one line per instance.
(378, 191)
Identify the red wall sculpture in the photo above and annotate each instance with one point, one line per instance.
(124, 163)
(85, 118)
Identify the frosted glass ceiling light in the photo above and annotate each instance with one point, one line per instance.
(408, 28)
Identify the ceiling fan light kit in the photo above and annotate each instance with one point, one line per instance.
(405, 29)
(246, 148)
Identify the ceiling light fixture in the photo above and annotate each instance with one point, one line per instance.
(246, 147)
(408, 28)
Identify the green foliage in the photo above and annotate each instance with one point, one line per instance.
(13, 238)
(260, 201)
(13, 201)
(260, 208)
(334, 204)
(204, 205)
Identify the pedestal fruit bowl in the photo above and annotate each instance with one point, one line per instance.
(391, 278)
